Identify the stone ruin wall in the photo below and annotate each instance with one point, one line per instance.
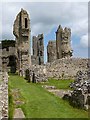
(51, 51)
(38, 50)
(65, 68)
(6, 53)
(21, 30)
(61, 47)
(63, 43)
(4, 96)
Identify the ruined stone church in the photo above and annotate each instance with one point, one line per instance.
(21, 53)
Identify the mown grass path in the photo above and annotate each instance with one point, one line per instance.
(39, 103)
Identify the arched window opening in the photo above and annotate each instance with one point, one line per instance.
(26, 23)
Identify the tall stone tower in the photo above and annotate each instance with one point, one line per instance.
(38, 49)
(63, 42)
(58, 42)
(51, 51)
(21, 30)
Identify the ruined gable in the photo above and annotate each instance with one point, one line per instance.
(38, 50)
(21, 30)
(51, 51)
(63, 42)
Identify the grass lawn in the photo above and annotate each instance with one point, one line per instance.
(39, 103)
(60, 84)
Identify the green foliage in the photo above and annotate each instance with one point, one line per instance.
(39, 103)
(8, 43)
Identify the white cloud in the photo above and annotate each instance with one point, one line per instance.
(80, 27)
(44, 0)
(0, 21)
(46, 16)
(84, 41)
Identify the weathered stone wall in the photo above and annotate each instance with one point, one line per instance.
(4, 96)
(40, 72)
(8, 52)
(66, 67)
(0, 62)
(51, 51)
(21, 30)
(61, 69)
(63, 42)
(5, 57)
(38, 50)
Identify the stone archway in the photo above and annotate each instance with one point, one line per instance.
(12, 63)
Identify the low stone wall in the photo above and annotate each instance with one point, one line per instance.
(60, 69)
(66, 68)
(4, 96)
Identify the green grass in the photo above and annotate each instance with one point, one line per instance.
(11, 105)
(39, 103)
(60, 84)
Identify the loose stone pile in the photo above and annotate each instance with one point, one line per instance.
(4, 96)
(58, 92)
(80, 97)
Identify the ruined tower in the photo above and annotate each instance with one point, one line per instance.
(38, 49)
(51, 51)
(21, 30)
(63, 42)
(58, 42)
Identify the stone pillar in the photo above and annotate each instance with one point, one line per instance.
(51, 51)
(58, 42)
(38, 50)
(63, 42)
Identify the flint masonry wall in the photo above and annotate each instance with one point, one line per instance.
(4, 96)
(66, 68)
(51, 51)
(21, 30)
(63, 42)
(38, 50)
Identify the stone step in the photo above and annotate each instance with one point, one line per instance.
(18, 113)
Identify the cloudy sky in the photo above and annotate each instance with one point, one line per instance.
(45, 18)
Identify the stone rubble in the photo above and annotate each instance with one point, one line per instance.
(18, 114)
(4, 96)
(80, 96)
(58, 92)
(49, 87)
